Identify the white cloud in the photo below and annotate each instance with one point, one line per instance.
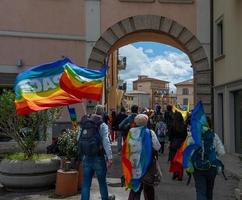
(149, 51)
(171, 66)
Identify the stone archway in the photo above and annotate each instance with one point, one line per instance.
(179, 36)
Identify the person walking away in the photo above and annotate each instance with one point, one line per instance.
(156, 117)
(128, 122)
(177, 137)
(125, 125)
(137, 154)
(120, 117)
(204, 175)
(95, 152)
(113, 128)
(169, 117)
(160, 131)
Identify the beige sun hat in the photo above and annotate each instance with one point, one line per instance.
(141, 120)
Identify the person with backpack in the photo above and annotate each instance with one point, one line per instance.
(206, 163)
(94, 149)
(160, 130)
(137, 155)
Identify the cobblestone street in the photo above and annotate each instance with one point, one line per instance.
(167, 190)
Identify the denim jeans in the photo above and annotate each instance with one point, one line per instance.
(98, 166)
(204, 183)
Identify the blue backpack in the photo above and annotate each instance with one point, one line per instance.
(90, 141)
(204, 157)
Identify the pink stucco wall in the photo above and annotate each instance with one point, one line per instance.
(37, 51)
(113, 11)
(48, 16)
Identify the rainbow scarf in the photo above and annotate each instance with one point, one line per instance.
(38, 88)
(136, 156)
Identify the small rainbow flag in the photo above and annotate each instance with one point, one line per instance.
(83, 82)
(73, 116)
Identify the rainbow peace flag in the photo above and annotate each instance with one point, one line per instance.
(83, 82)
(38, 88)
(199, 125)
(132, 162)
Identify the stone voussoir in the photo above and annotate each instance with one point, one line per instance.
(147, 22)
(176, 29)
(93, 64)
(97, 56)
(166, 25)
(185, 36)
(193, 45)
(110, 37)
(201, 65)
(102, 45)
(118, 30)
(198, 55)
(127, 25)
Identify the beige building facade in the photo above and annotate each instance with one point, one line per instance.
(88, 31)
(185, 93)
(136, 97)
(157, 89)
(228, 73)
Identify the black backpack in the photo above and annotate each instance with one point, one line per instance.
(90, 141)
(205, 156)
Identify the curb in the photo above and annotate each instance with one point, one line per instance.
(233, 166)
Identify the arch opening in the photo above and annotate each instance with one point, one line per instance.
(163, 30)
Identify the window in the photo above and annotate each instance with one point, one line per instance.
(185, 101)
(238, 121)
(185, 91)
(219, 38)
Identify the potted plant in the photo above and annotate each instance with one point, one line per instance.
(69, 178)
(26, 169)
(67, 145)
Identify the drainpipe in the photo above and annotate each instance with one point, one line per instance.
(212, 58)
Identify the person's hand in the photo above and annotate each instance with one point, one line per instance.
(109, 163)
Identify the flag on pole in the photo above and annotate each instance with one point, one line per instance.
(39, 87)
(199, 125)
(73, 116)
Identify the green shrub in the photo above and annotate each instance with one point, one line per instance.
(67, 143)
(24, 129)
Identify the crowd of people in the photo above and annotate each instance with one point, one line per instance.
(141, 137)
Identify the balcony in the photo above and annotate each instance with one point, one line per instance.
(122, 63)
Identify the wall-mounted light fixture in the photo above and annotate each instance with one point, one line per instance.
(19, 63)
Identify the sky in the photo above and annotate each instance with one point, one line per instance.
(155, 60)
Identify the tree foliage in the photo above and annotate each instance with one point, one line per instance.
(25, 129)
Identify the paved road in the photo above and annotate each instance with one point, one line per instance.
(167, 190)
